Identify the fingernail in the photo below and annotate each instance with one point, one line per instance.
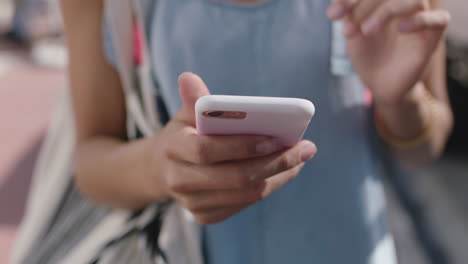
(182, 75)
(266, 147)
(336, 11)
(406, 25)
(369, 26)
(307, 152)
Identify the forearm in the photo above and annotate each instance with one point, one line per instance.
(107, 168)
(118, 173)
(412, 116)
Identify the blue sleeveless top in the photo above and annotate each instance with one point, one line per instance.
(334, 211)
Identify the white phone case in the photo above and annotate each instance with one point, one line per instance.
(285, 119)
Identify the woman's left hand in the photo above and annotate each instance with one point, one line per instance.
(390, 42)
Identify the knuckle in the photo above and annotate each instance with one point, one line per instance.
(202, 151)
(250, 147)
(243, 178)
(175, 185)
(285, 163)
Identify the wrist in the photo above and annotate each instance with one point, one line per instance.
(154, 183)
(408, 101)
(408, 117)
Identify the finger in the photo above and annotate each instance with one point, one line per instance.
(276, 182)
(199, 202)
(350, 28)
(218, 215)
(237, 175)
(211, 216)
(388, 11)
(364, 8)
(337, 10)
(429, 20)
(205, 150)
(265, 168)
(191, 87)
(340, 8)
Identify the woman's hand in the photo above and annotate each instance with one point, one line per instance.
(395, 47)
(390, 42)
(215, 177)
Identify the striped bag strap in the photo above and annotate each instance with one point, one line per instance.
(136, 79)
(121, 237)
(163, 228)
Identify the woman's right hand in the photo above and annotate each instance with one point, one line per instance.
(216, 177)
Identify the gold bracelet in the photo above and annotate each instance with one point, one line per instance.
(411, 143)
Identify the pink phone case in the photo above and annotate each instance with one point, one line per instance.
(285, 119)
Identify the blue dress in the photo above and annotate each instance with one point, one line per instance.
(334, 211)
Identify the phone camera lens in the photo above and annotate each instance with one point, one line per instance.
(215, 113)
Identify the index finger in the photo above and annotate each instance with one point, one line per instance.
(203, 149)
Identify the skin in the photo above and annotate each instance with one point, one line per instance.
(215, 177)
(397, 49)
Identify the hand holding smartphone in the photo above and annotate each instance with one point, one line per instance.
(216, 177)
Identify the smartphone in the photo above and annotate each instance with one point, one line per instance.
(285, 119)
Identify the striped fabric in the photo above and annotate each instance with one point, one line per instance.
(75, 218)
(81, 231)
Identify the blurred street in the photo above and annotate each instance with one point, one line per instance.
(27, 96)
(437, 196)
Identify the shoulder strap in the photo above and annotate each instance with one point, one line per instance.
(180, 235)
(147, 84)
(141, 112)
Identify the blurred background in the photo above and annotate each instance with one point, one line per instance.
(428, 209)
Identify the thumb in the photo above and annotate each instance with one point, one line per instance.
(191, 87)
